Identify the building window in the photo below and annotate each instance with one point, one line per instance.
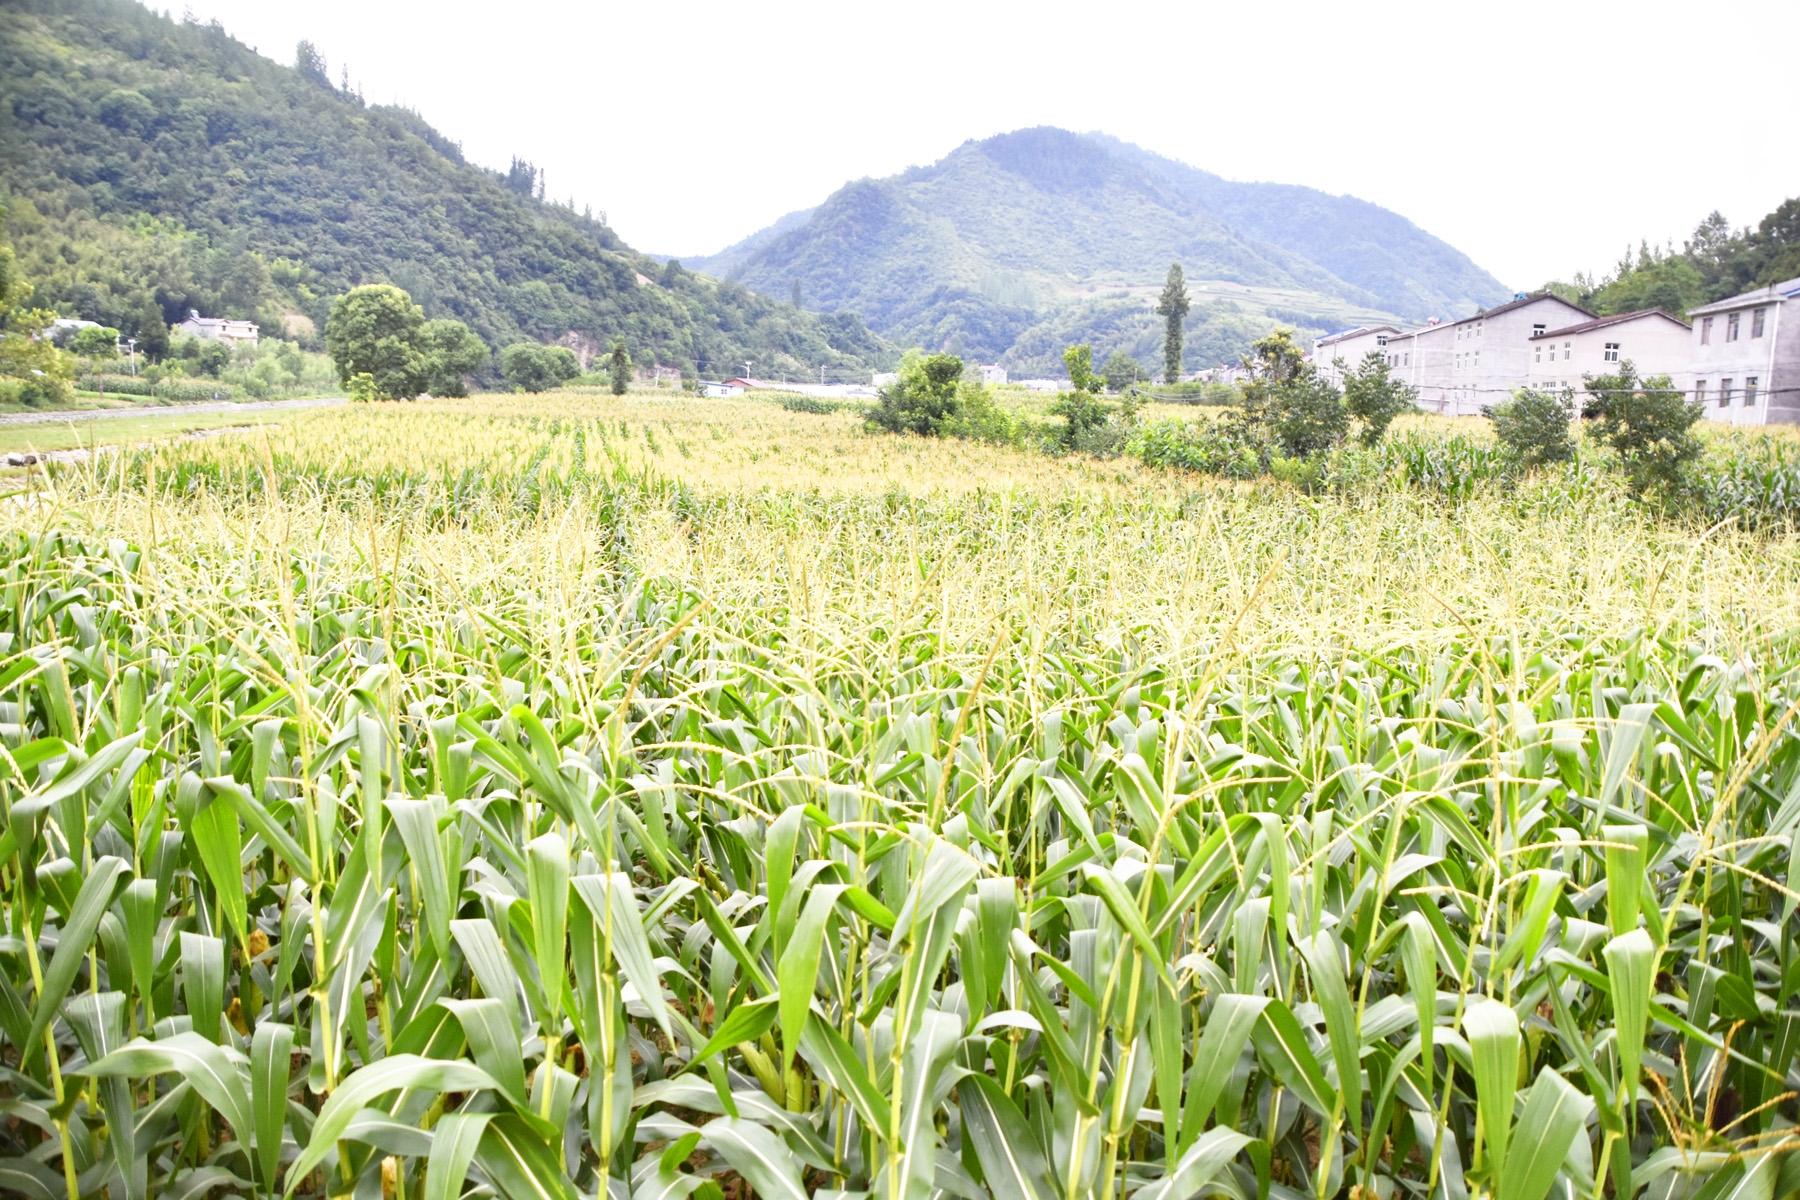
(1706, 331)
(1568, 351)
(1724, 392)
(1537, 330)
(1699, 391)
(1537, 354)
(1381, 340)
(1406, 359)
(1750, 382)
(1756, 322)
(1731, 327)
(1612, 352)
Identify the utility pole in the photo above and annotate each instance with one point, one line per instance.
(821, 374)
(747, 365)
(131, 343)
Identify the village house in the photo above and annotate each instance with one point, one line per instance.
(1339, 353)
(217, 329)
(992, 374)
(1744, 356)
(1654, 342)
(1462, 367)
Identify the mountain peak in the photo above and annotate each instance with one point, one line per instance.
(1014, 243)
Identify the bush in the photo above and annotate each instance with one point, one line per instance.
(923, 399)
(1306, 415)
(979, 417)
(1083, 414)
(1534, 426)
(1374, 397)
(1209, 447)
(531, 367)
(1649, 423)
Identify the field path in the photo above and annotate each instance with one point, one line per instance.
(206, 406)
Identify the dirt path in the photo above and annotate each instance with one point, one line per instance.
(166, 410)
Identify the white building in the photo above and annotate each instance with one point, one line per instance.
(217, 329)
(992, 374)
(1341, 352)
(1744, 356)
(1651, 340)
(1461, 367)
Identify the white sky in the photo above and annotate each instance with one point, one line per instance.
(1539, 139)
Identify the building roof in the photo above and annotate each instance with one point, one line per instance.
(1516, 302)
(1786, 290)
(1615, 319)
(1359, 331)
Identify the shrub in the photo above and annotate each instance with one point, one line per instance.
(1083, 414)
(1534, 426)
(1649, 423)
(531, 367)
(1374, 397)
(1209, 447)
(922, 399)
(118, 385)
(980, 417)
(1306, 415)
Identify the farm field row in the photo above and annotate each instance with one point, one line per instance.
(573, 795)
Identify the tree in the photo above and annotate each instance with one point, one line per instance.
(923, 397)
(1307, 415)
(1173, 307)
(376, 330)
(531, 367)
(619, 363)
(1374, 397)
(152, 332)
(1649, 422)
(32, 370)
(1079, 359)
(1121, 371)
(311, 64)
(452, 354)
(1534, 426)
(795, 293)
(101, 342)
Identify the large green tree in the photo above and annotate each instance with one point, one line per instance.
(32, 370)
(1173, 307)
(923, 398)
(452, 354)
(1373, 397)
(377, 331)
(530, 367)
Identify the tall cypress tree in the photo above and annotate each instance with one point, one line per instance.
(1174, 309)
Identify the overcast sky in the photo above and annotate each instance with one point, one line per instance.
(1539, 139)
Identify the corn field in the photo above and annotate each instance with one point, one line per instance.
(575, 798)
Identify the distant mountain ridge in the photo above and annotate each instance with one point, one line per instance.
(1017, 238)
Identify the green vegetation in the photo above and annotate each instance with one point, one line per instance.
(385, 349)
(529, 367)
(157, 166)
(1172, 307)
(124, 430)
(618, 365)
(33, 371)
(923, 399)
(1534, 426)
(581, 796)
(1012, 247)
(1714, 263)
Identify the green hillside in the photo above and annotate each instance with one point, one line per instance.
(983, 250)
(145, 159)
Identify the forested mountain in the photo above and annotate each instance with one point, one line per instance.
(1009, 244)
(1716, 262)
(144, 159)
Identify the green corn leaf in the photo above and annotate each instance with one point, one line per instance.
(1554, 1116)
(72, 943)
(363, 1086)
(1492, 1029)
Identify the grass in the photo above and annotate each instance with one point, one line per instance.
(566, 793)
(50, 435)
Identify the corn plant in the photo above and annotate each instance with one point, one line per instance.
(565, 825)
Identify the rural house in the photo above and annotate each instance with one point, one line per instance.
(217, 329)
(1461, 367)
(1349, 348)
(1654, 342)
(1744, 356)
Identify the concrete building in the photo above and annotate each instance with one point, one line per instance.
(1348, 349)
(1744, 356)
(992, 374)
(1654, 342)
(217, 329)
(1461, 367)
